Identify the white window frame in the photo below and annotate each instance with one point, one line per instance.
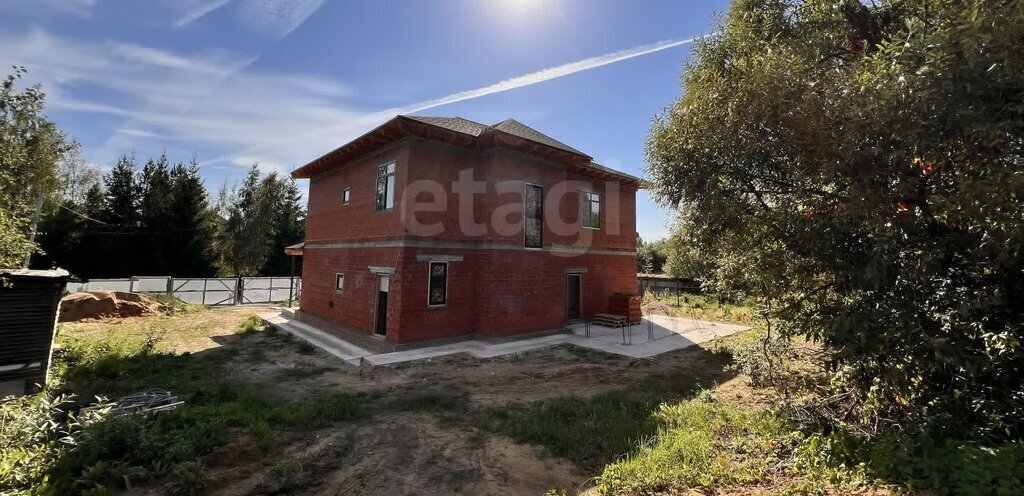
(390, 171)
(346, 196)
(430, 273)
(339, 282)
(587, 198)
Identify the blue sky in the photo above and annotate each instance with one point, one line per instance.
(280, 82)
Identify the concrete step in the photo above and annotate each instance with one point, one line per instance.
(346, 351)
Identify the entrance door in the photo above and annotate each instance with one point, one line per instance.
(573, 291)
(381, 322)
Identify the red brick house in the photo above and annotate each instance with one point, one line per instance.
(434, 227)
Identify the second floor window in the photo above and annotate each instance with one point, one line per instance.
(590, 214)
(346, 196)
(533, 216)
(385, 186)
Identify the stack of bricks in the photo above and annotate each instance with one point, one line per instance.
(627, 305)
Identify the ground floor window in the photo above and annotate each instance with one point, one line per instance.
(438, 291)
(339, 282)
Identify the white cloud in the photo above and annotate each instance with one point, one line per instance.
(329, 137)
(80, 8)
(550, 73)
(213, 100)
(279, 17)
(197, 12)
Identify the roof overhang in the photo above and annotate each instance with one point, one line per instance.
(295, 250)
(401, 127)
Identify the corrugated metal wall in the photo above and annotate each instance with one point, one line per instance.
(28, 316)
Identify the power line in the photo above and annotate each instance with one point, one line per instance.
(80, 214)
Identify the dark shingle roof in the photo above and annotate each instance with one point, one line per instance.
(510, 126)
(467, 127)
(458, 124)
(516, 128)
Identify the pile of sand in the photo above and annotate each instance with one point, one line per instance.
(107, 304)
(656, 308)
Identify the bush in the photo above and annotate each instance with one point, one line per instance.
(916, 459)
(251, 324)
(764, 359)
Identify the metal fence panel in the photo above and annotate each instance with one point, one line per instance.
(150, 284)
(221, 291)
(109, 284)
(204, 291)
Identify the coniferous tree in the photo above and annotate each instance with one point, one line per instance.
(118, 247)
(155, 216)
(88, 261)
(192, 225)
(289, 226)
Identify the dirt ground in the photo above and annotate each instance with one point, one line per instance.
(406, 452)
(416, 454)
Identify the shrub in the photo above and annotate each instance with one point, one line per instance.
(915, 458)
(251, 324)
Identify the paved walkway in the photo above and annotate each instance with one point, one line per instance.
(654, 335)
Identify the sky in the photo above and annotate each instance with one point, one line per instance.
(281, 82)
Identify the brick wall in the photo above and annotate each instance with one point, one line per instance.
(492, 292)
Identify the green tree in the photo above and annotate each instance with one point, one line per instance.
(246, 234)
(289, 227)
(30, 146)
(260, 218)
(651, 256)
(155, 217)
(859, 167)
(118, 246)
(192, 227)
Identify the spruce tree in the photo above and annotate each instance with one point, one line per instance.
(289, 226)
(155, 217)
(118, 247)
(192, 223)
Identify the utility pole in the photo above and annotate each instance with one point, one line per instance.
(35, 227)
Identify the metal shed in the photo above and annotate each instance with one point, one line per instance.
(29, 301)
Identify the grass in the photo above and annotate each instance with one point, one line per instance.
(708, 307)
(118, 451)
(700, 444)
(591, 432)
(664, 434)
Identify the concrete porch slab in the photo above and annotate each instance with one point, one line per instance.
(654, 335)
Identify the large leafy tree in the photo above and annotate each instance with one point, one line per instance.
(860, 167)
(30, 146)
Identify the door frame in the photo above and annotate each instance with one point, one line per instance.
(579, 294)
(376, 305)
